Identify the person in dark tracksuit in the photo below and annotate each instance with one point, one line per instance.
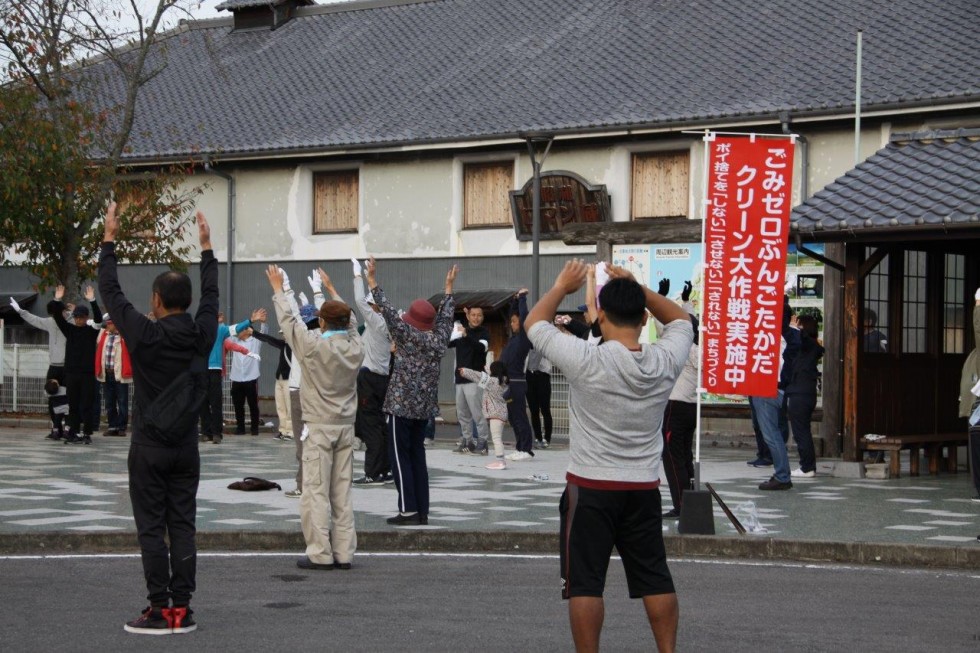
(801, 393)
(163, 478)
(514, 357)
(80, 344)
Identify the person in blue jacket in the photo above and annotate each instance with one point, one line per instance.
(211, 413)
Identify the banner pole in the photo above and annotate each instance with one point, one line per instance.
(709, 137)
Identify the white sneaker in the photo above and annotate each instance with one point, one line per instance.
(518, 456)
(799, 473)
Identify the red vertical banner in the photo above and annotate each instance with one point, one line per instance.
(750, 182)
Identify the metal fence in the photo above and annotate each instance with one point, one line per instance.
(24, 370)
(25, 367)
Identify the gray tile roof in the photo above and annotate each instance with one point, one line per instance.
(242, 4)
(359, 74)
(919, 181)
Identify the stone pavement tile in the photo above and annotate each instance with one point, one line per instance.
(88, 485)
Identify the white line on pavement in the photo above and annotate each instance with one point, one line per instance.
(525, 556)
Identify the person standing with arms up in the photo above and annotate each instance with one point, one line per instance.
(169, 357)
(329, 360)
(514, 357)
(56, 360)
(80, 344)
(618, 394)
(420, 336)
(470, 341)
(372, 386)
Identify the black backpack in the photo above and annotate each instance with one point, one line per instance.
(172, 416)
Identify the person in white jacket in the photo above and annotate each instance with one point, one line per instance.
(56, 355)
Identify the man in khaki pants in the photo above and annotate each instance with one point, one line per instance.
(330, 361)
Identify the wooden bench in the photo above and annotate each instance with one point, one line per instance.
(932, 443)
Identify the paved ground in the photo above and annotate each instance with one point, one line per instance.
(51, 487)
(434, 603)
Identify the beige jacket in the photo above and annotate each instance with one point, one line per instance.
(328, 392)
(971, 369)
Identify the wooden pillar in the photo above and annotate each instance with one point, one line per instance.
(833, 331)
(852, 332)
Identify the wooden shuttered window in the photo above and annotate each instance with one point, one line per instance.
(335, 199)
(486, 198)
(660, 184)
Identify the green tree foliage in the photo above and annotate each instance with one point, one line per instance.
(63, 146)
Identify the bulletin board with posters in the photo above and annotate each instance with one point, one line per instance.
(680, 262)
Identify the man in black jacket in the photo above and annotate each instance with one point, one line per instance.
(163, 478)
(471, 343)
(80, 344)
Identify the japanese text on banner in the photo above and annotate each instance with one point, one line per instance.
(747, 227)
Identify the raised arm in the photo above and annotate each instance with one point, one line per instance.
(272, 341)
(132, 324)
(35, 321)
(230, 345)
(206, 317)
(447, 308)
(299, 339)
(396, 326)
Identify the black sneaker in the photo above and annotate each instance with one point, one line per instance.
(306, 563)
(153, 621)
(389, 479)
(181, 619)
(110, 433)
(673, 513)
(71, 438)
(342, 565)
(413, 519)
(773, 484)
(53, 435)
(84, 439)
(369, 480)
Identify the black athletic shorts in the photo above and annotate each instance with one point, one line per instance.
(593, 522)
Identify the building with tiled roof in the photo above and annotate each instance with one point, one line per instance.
(398, 128)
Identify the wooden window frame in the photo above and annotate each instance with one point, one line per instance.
(507, 220)
(355, 173)
(685, 190)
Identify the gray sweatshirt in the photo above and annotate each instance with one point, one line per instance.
(377, 342)
(617, 399)
(56, 339)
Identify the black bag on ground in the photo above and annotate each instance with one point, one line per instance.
(254, 484)
(171, 417)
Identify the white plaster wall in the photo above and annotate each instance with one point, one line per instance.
(832, 153)
(414, 208)
(213, 202)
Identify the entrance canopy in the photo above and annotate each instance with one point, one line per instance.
(925, 184)
(908, 219)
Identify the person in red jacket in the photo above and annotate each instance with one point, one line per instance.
(114, 371)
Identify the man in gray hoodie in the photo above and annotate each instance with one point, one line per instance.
(617, 399)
